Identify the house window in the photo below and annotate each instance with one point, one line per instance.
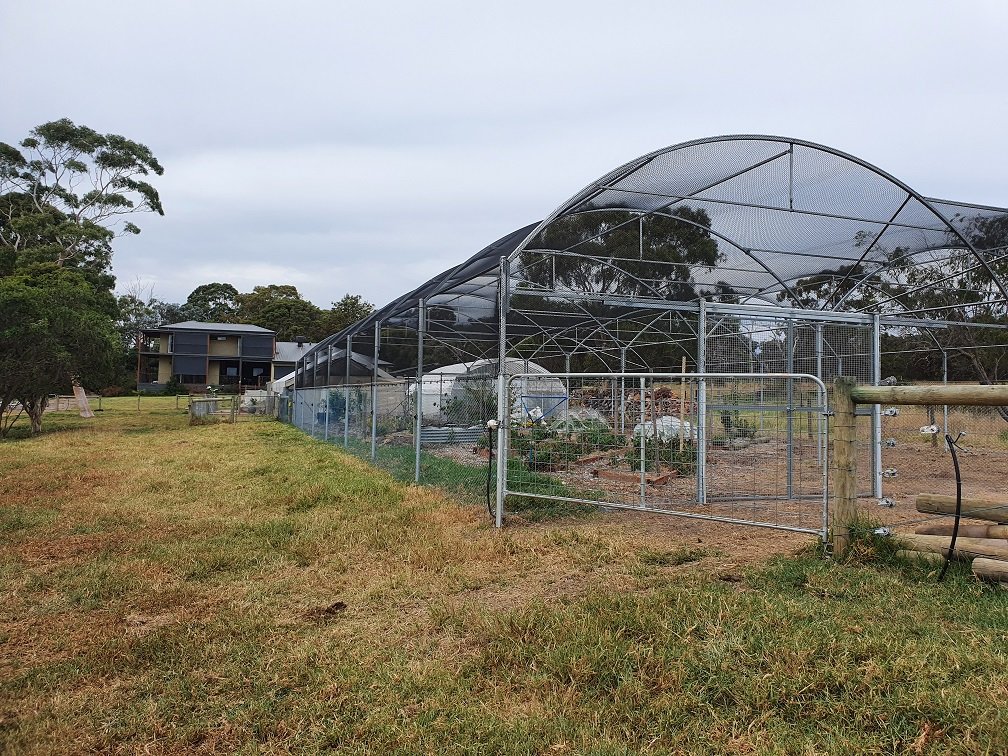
(231, 372)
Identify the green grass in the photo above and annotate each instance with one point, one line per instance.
(469, 481)
(240, 589)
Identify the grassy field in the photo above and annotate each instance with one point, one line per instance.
(168, 589)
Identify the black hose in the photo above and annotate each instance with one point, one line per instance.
(958, 511)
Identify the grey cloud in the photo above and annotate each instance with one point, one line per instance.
(363, 147)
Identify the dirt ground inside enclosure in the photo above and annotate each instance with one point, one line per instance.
(924, 469)
(923, 464)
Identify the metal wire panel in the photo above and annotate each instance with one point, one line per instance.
(744, 448)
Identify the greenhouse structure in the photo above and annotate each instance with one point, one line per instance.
(669, 334)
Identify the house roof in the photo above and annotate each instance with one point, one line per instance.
(195, 325)
(290, 351)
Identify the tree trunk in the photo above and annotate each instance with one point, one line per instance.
(35, 408)
(7, 418)
(985, 380)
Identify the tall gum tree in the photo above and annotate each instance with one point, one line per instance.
(66, 192)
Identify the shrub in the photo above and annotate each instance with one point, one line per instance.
(174, 387)
(659, 455)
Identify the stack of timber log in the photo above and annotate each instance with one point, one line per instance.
(984, 543)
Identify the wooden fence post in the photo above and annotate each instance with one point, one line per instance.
(844, 465)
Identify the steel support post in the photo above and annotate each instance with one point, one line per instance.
(346, 394)
(567, 385)
(418, 393)
(789, 383)
(820, 448)
(502, 426)
(622, 390)
(503, 394)
(294, 409)
(374, 392)
(945, 413)
(701, 419)
(876, 416)
(325, 394)
(643, 447)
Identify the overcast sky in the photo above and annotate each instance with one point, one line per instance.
(363, 147)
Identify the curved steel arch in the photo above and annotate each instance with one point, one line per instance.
(602, 184)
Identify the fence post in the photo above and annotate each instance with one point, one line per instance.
(820, 450)
(945, 407)
(701, 439)
(374, 392)
(622, 389)
(346, 394)
(503, 390)
(294, 409)
(643, 446)
(567, 385)
(876, 416)
(502, 425)
(682, 405)
(844, 464)
(421, 327)
(789, 364)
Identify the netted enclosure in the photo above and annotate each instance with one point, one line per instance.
(742, 256)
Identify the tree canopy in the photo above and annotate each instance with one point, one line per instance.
(280, 308)
(55, 329)
(347, 311)
(616, 252)
(66, 192)
(213, 302)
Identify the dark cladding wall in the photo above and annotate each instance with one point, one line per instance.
(257, 346)
(189, 365)
(189, 343)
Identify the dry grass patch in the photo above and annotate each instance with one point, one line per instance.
(244, 588)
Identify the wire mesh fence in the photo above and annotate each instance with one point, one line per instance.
(213, 409)
(747, 448)
(916, 459)
(757, 455)
(452, 451)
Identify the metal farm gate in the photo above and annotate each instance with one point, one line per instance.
(745, 448)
